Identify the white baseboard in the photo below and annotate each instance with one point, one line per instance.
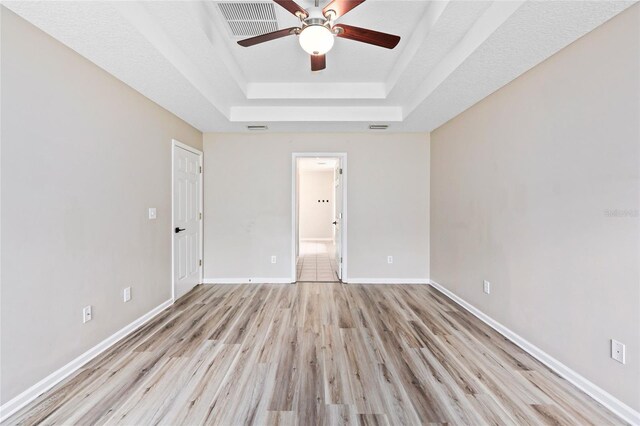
(388, 281)
(15, 404)
(289, 281)
(247, 280)
(603, 397)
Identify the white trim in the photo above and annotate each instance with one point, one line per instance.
(316, 239)
(627, 413)
(175, 143)
(307, 91)
(337, 113)
(343, 239)
(18, 402)
(388, 281)
(286, 280)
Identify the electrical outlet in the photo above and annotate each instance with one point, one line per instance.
(152, 213)
(389, 259)
(274, 259)
(87, 314)
(126, 294)
(486, 287)
(617, 351)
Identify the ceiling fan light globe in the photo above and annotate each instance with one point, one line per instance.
(316, 39)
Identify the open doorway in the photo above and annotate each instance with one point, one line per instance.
(319, 227)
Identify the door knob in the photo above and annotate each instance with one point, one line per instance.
(179, 229)
(335, 222)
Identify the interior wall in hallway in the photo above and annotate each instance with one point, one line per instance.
(317, 204)
(83, 158)
(537, 190)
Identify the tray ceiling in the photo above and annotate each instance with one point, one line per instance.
(184, 56)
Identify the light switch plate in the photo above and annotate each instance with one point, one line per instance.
(152, 213)
(126, 294)
(486, 287)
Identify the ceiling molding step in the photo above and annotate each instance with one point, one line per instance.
(418, 37)
(315, 114)
(496, 15)
(316, 91)
(137, 14)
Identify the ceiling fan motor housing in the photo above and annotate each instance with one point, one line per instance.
(315, 15)
(316, 18)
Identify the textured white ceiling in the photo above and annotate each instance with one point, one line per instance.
(452, 54)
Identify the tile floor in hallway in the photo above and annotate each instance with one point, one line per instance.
(317, 262)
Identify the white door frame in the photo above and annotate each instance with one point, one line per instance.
(177, 144)
(294, 202)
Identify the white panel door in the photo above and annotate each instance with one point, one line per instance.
(186, 220)
(338, 218)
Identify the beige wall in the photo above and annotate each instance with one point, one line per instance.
(247, 205)
(522, 187)
(316, 216)
(83, 158)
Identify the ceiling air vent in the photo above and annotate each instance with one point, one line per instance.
(249, 19)
(378, 127)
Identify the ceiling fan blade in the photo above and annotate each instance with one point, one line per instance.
(367, 36)
(337, 8)
(267, 37)
(318, 62)
(293, 8)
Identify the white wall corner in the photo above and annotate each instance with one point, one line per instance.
(603, 397)
(21, 400)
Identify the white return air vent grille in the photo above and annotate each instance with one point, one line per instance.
(249, 19)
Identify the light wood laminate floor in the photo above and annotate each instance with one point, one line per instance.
(312, 354)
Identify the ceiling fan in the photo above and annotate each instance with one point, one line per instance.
(318, 29)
